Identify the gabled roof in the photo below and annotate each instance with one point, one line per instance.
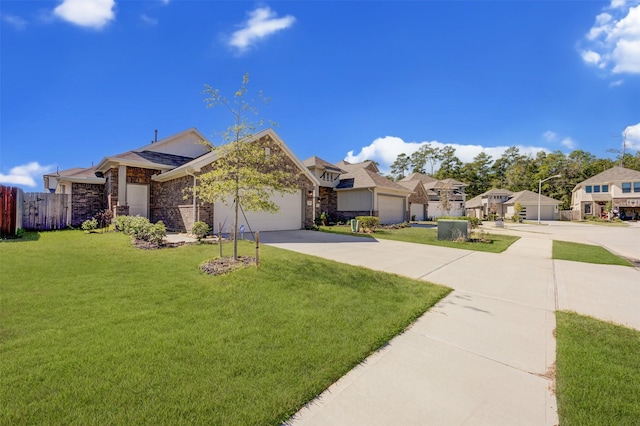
(613, 174)
(496, 191)
(360, 178)
(77, 175)
(196, 164)
(449, 183)
(152, 155)
(419, 176)
(530, 197)
(369, 165)
(319, 163)
(473, 203)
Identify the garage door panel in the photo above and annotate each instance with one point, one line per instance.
(390, 209)
(289, 217)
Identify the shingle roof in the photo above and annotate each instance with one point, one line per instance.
(318, 162)
(529, 197)
(615, 173)
(474, 202)
(497, 191)
(154, 158)
(345, 165)
(365, 178)
(419, 176)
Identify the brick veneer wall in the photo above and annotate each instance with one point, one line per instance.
(86, 201)
(111, 187)
(348, 215)
(173, 209)
(328, 201)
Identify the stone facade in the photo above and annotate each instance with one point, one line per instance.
(86, 201)
(344, 216)
(328, 202)
(111, 188)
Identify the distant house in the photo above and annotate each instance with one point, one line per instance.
(445, 197)
(348, 190)
(501, 202)
(618, 185)
(156, 181)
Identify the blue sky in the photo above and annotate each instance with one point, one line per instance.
(355, 80)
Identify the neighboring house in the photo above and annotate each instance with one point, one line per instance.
(618, 185)
(529, 202)
(445, 197)
(156, 181)
(418, 200)
(349, 190)
(501, 202)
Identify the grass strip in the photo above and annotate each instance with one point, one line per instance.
(95, 331)
(598, 372)
(565, 250)
(429, 236)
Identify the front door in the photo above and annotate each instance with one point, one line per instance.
(138, 200)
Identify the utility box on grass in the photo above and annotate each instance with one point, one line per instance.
(453, 230)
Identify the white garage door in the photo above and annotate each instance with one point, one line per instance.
(138, 200)
(390, 209)
(289, 216)
(546, 212)
(417, 210)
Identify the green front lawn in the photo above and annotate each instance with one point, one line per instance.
(498, 244)
(95, 331)
(565, 250)
(598, 372)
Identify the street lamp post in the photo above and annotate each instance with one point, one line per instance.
(540, 190)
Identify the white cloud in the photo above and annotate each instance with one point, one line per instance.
(633, 136)
(385, 150)
(550, 136)
(15, 21)
(87, 13)
(568, 143)
(262, 23)
(148, 20)
(25, 174)
(616, 83)
(613, 42)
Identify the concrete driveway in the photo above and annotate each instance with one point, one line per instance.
(485, 353)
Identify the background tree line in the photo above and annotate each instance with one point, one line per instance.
(512, 170)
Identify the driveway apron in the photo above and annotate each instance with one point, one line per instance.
(484, 355)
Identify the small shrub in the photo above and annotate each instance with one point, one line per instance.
(369, 223)
(90, 225)
(104, 218)
(200, 230)
(119, 223)
(156, 233)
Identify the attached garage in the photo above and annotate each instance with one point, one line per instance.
(391, 209)
(289, 217)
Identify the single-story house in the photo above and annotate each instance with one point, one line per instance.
(618, 185)
(349, 190)
(446, 197)
(501, 202)
(529, 202)
(156, 181)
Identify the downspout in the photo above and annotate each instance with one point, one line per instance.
(372, 198)
(191, 173)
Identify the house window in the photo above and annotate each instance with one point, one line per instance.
(605, 188)
(626, 187)
(636, 186)
(588, 189)
(596, 188)
(587, 208)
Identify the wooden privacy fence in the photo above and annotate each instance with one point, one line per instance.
(10, 213)
(569, 215)
(44, 211)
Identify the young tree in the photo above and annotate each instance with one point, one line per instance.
(244, 172)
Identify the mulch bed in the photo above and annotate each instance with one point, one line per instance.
(223, 265)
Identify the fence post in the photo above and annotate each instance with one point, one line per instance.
(220, 237)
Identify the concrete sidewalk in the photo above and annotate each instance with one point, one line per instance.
(483, 355)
